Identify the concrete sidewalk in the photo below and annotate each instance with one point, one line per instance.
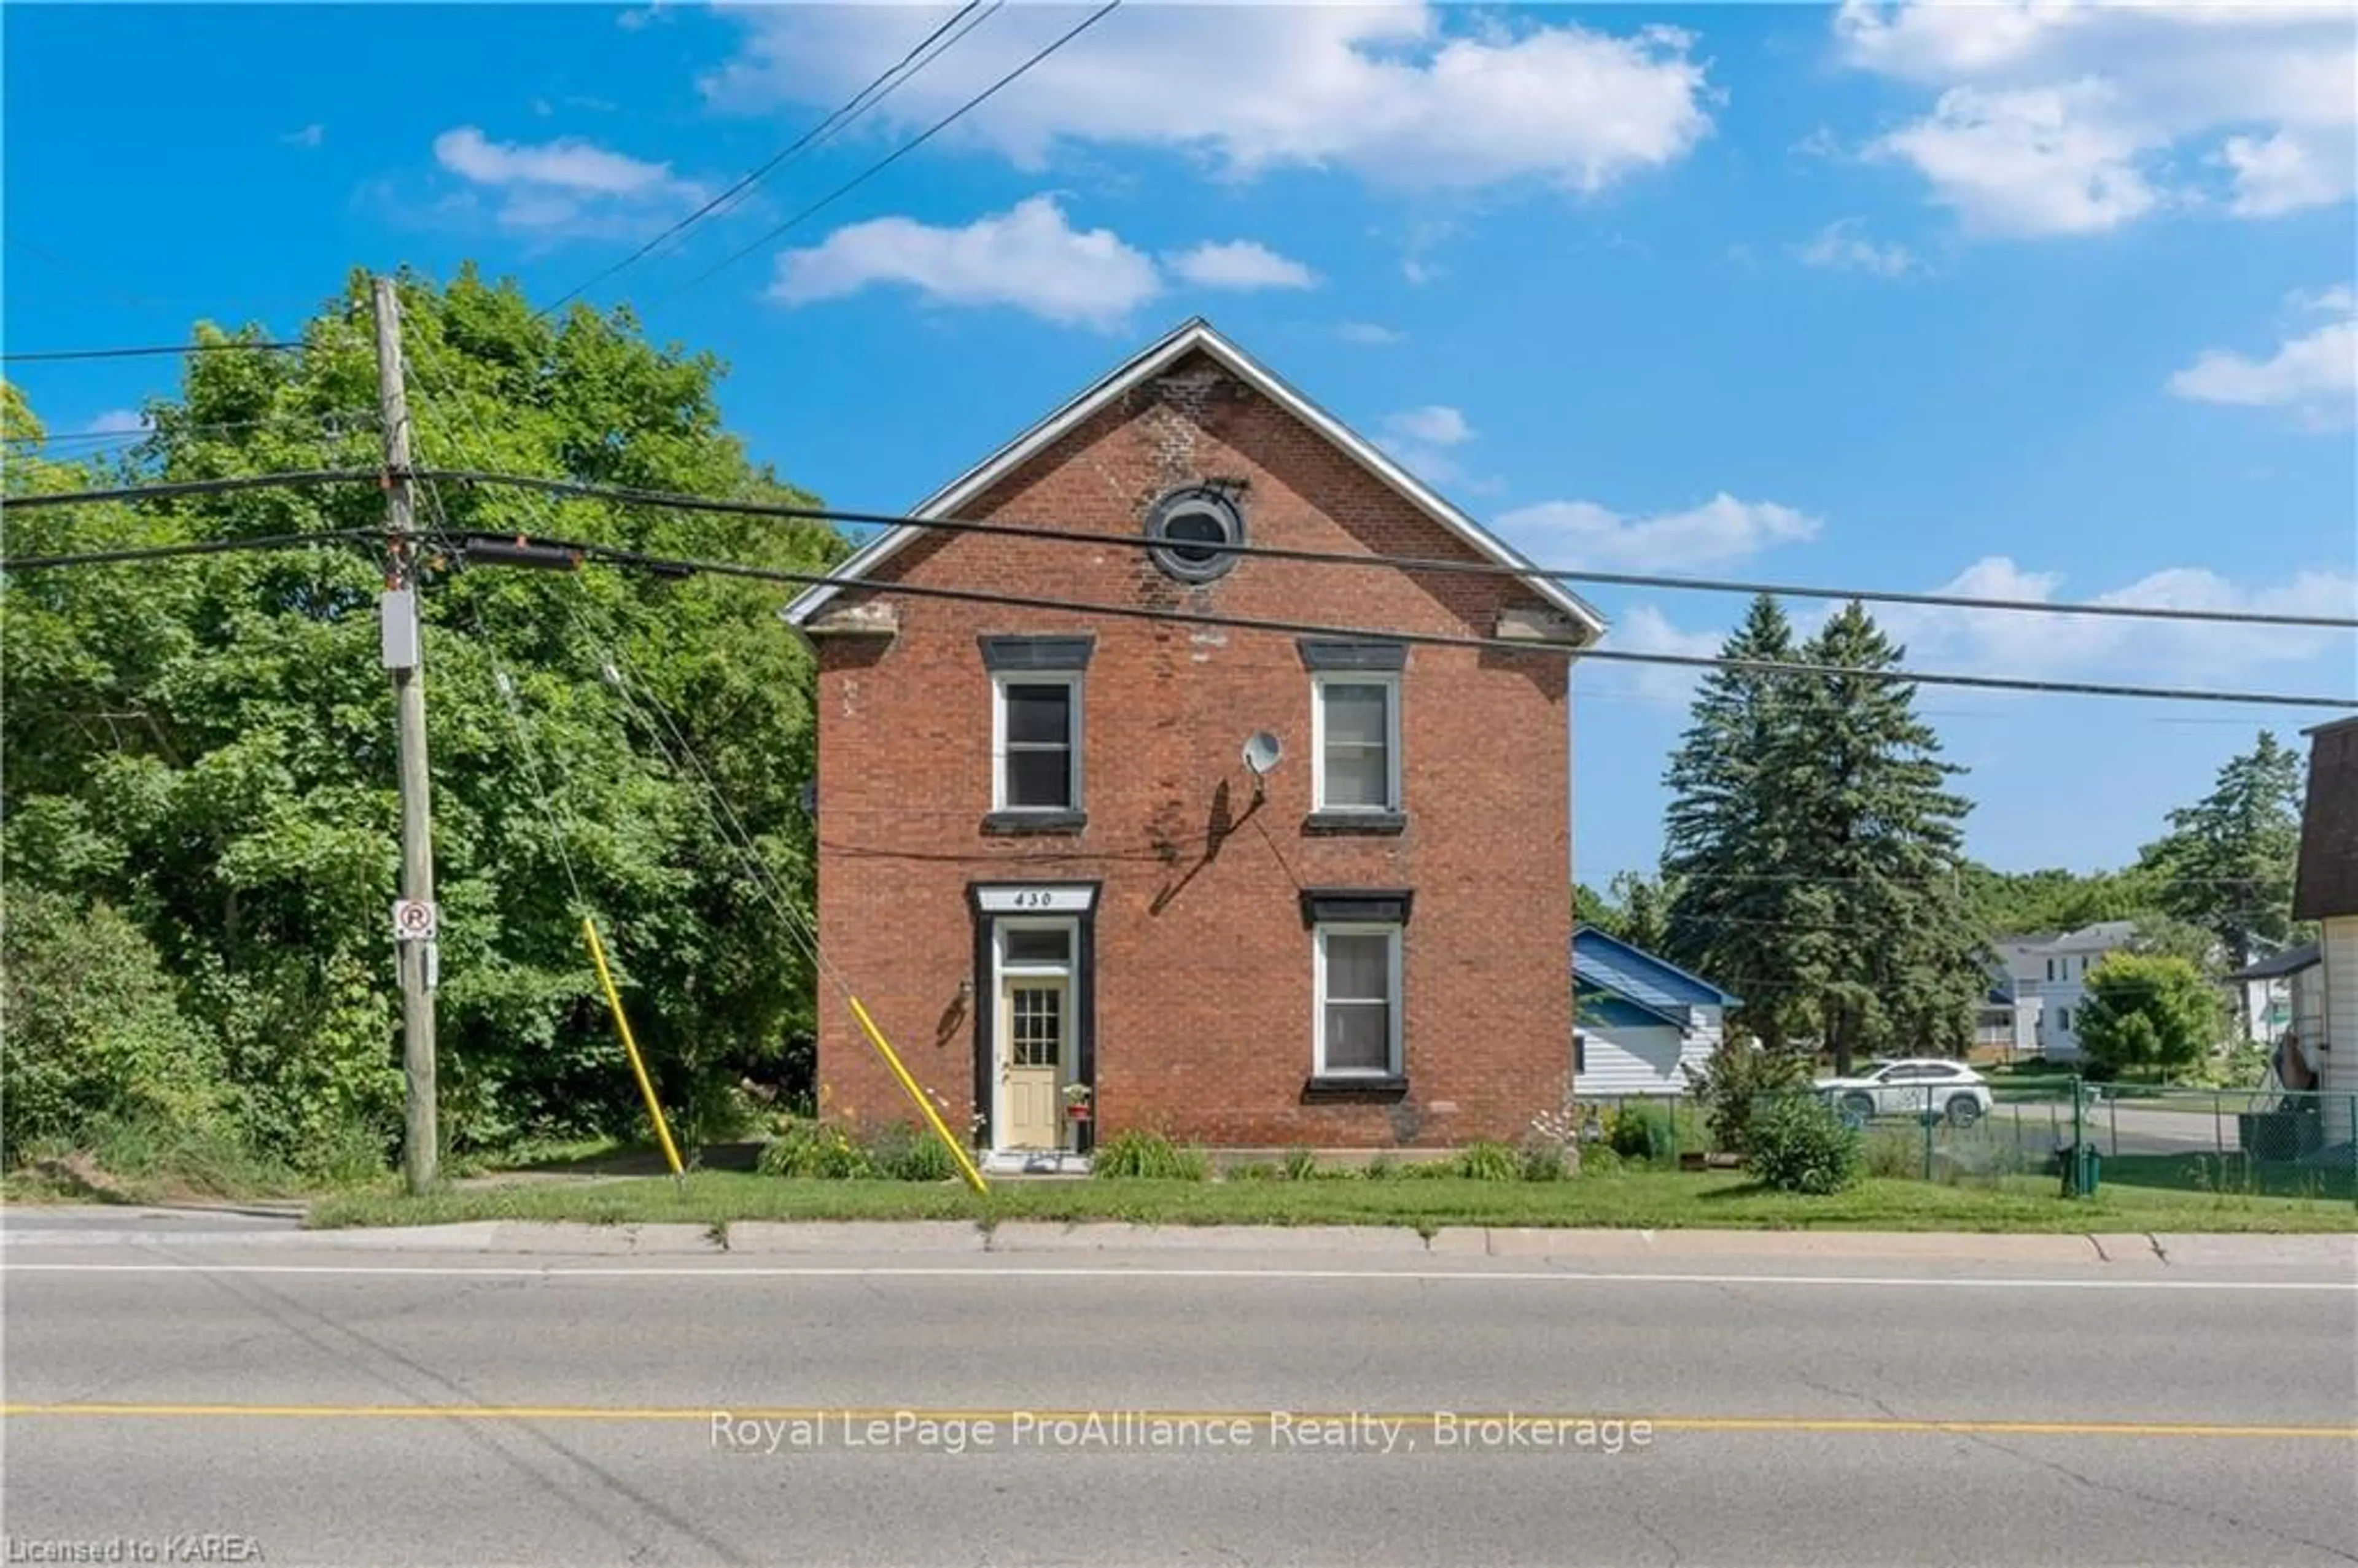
(28, 1226)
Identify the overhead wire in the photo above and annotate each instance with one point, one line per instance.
(147, 351)
(136, 553)
(843, 114)
(1439, 565)
(889, 159)
(676, 565)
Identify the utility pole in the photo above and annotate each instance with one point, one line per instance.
(414, 916)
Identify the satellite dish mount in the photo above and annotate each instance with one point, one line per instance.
(1263, 752)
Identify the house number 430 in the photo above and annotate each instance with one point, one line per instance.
(1034, 898)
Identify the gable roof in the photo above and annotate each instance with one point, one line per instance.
(1654, 983)
(2103, 934)
(2291, 961)
(2326, 883)
(1191, 337)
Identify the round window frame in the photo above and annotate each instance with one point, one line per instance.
(1195, 500)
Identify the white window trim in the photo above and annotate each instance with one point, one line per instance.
(1389, 682)
(1394, 1066)
(999, 681)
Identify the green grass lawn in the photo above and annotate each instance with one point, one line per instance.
(1649, 1199)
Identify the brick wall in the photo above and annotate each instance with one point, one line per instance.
(1204, 990)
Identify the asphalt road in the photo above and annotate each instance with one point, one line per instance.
(194, 1394)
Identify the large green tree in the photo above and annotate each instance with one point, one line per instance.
(2226, 863)
(1728, 844)
(1882, 936)
(2147, 1012)
(206, 745)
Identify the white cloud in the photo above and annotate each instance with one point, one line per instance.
(1991, 642)
(310, 135)
(2039, 161)
(1435, 424)
(116, 422)
(1423, 442)
(1239, 264)
(632, 19)
(2062, 116)
(1389, 91)
(566, 188)
(1645, 629)
(1028, 258)
(1843, 247)
(1723, 529)
(2313, 371)
(1370, 334)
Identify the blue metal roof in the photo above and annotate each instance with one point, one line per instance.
(1609, 964)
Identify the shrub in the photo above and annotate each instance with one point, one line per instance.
(1301, 1163)
(815, 1148)
(910, 1153)
(1151, 1156)
(1543, 1161)
(1485, 1159)
(1800, 1144)
(92, 1029)
(1732, 1084)
(1893, 1156)
(1599, 1159)
(1643, 1132)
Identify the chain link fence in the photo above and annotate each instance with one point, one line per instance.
(2262, 1142)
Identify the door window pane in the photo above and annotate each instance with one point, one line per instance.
(1036, 1023)
(1037, 946)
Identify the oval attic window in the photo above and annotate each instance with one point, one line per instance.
(1195, 533)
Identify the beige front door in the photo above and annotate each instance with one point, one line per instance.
(1033, 1027)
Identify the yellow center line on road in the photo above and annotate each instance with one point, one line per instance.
(1412, 1420)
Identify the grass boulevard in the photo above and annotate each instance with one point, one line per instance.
(1629, 1199)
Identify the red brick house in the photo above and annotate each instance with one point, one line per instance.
(1049, 871)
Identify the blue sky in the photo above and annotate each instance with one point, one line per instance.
(2042, 303)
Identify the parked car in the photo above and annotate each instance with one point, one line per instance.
(1909, 1087)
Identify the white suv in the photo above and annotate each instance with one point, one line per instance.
(1909, 1087)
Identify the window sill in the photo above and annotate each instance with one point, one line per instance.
(1350, 1090)
(1387, 824)
(1026, 823)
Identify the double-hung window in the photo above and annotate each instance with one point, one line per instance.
(1036, 731)
(1354, 730)
(1038, 742)
(1359, 1002)
(1357, 1035)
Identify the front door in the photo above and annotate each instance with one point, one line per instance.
(1034, 1036)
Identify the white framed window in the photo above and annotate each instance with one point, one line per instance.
(1358, 1027)
(1355, 741)
(1035, 741)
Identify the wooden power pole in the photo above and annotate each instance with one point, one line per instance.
(413, 914)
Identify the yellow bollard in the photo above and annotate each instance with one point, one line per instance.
(623, 1023)
(876, 1037)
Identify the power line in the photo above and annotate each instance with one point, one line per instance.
(333, 424)
(150, 350)
(627, 495)
(849, 110)
(679, 565)
(292, 479)
(1142, 542)
(889, 159)
(131, 555)
(616, 556)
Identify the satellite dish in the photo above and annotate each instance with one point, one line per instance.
(1263, 753)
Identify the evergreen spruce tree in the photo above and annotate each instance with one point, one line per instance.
(1882, 933)
(1725, 845)
(2227, 862)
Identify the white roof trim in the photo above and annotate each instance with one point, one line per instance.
(1143, 366)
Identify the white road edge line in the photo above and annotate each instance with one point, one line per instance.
(1418, 1276)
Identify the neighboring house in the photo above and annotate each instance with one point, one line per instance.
(2263, 992)
(2292, 1020)
(2009, 1016)
(1639, 1022)
(2062, 979)
(2326, 890)
(1046, 871)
